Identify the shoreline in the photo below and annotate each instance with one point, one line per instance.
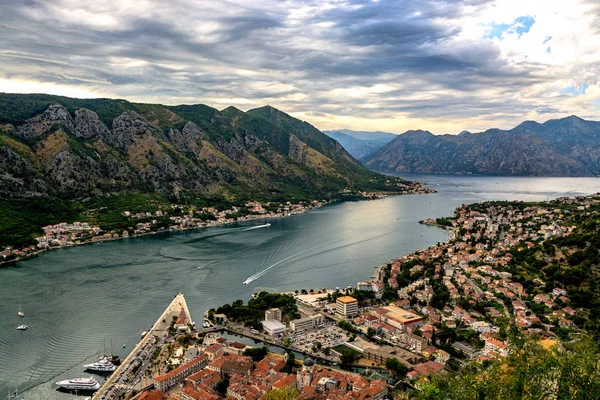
(132, 236)
(4, 264)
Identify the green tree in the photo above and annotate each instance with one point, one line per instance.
(290, 363)
(222, 385)
(569, 371)
(287, 393)
(257, 353)
(371, 332)
(396, 366)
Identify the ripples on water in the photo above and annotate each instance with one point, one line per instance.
(74, 298)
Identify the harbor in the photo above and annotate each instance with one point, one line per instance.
(124, 379)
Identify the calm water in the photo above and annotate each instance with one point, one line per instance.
(74, 298)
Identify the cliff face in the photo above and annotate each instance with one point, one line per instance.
(564, 147)
(71, 148)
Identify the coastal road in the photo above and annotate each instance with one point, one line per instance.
(160, 329)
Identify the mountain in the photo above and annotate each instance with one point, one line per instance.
(359, 143)
(61, 156)
(561, 147)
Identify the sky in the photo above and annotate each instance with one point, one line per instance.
(388, 65)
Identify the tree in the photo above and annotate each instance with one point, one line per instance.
(257, 353)
(371, 332)
(562, 371)
(290, 363)
(326, 351)
(287, 341)
(222, 385)
(349, 356)
(287, 393)
(396, 366)
(453, 364)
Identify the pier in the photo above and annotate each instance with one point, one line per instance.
(116, 386)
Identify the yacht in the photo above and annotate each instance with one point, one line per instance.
(22, 327)
(89, 384)
(102, 365)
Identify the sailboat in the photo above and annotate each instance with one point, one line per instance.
(114, 359)
(103, 364)
(20, 313)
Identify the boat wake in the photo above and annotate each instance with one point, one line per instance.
(264, 271)
(258, 275)
(257, 227)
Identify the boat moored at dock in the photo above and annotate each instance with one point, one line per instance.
(81, 384)
(102, 365)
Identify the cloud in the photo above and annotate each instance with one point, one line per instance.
(371, 65)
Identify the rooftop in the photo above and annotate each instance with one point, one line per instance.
(273, 325)
(346, 299)
(401, 315)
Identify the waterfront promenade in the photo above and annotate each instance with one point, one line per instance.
(121, 381)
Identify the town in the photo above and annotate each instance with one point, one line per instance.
(426, 313)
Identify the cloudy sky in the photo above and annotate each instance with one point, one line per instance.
(366, 65)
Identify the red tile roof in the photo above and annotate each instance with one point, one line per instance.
(428, 368)
(153, 395)
(181, 368)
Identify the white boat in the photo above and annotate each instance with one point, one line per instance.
(20, 313)
(84, 384)
(247, 281)
(102, 365)
(144, 334)
(22, 327)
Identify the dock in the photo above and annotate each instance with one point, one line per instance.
(121, 382)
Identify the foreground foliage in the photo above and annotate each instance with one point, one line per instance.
(534, 370)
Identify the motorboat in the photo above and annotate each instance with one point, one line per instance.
(102, 365)
(83, 384)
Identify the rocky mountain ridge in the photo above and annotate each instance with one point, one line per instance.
(74, 148)
(562, 147)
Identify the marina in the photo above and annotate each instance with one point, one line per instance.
(120, 379)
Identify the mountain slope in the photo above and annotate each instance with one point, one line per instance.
(563, 147)
(72, 152)
(360, 144)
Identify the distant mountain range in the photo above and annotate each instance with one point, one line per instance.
(560, 147)
(359, 143)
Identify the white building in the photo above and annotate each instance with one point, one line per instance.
(346, 306)
(366, 286)
(484, 327)
(273, 314)
(495, 347)
(302, 324)
(273, 327)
